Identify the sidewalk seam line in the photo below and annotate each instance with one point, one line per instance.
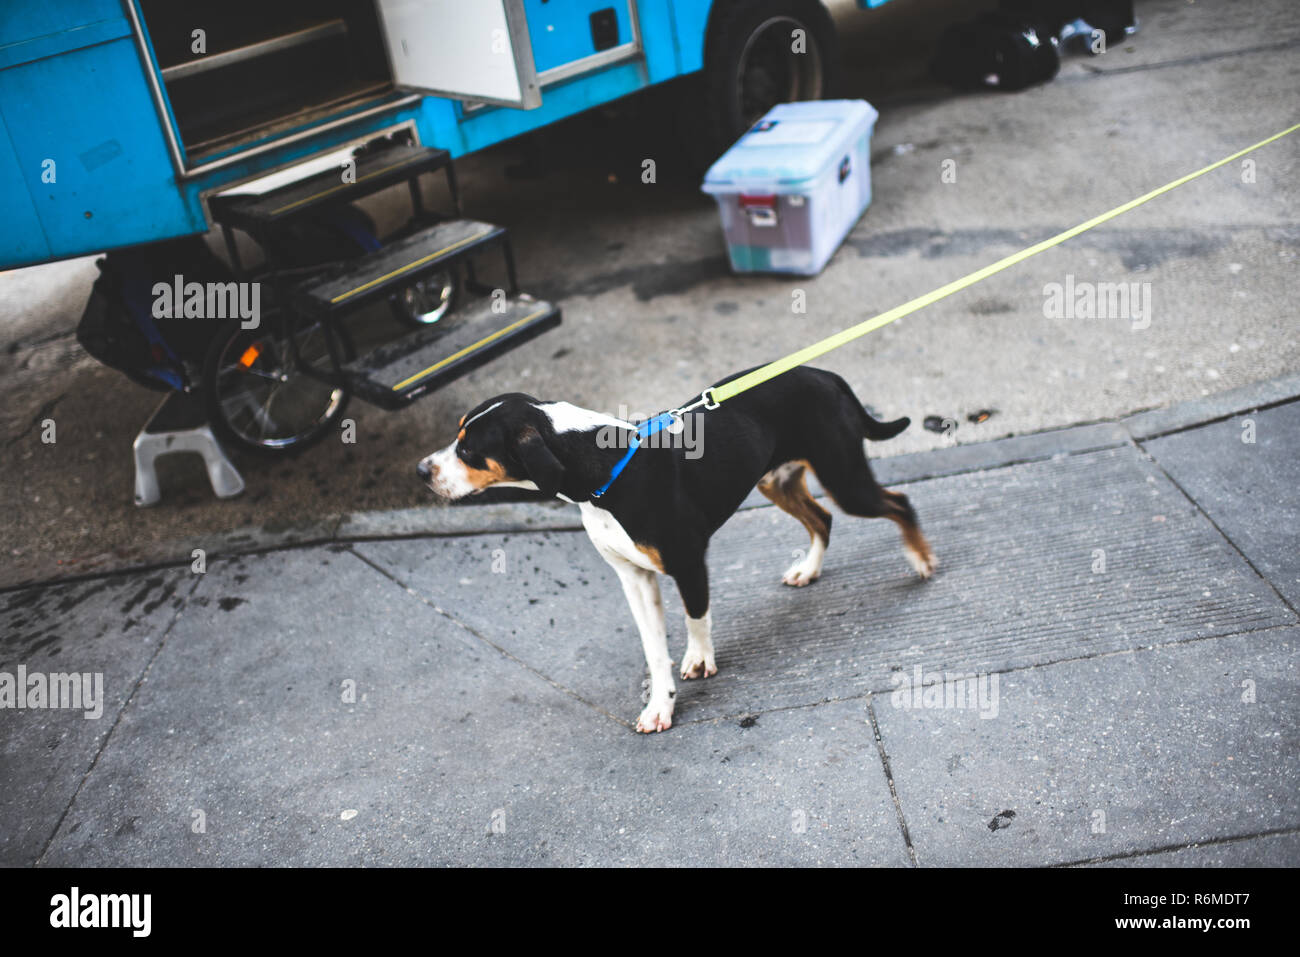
(1119, 443)
(1208, 842)
(1150, 456)
(144, 673)
(889, 779)
(487, 641)
(1177, 429)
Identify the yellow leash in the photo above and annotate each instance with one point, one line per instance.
(710, 398)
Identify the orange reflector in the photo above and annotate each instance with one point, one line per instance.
(249, 357)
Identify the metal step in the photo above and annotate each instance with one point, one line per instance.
(397, 374)
(260, 214)
(379, 274)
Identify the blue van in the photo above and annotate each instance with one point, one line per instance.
(134, 126)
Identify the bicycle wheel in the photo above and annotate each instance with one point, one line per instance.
(425, 301)
(259, 399)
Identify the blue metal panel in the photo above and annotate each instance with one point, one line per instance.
(21, 20)
(690, 24)
(560, 30)
(52, 44)
(91, 113)
(21, 238)
(659, 39)
(492, 125)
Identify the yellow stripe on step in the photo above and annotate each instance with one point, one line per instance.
(409, 266)
(467, 350)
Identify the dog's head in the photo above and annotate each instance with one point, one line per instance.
(501, 442)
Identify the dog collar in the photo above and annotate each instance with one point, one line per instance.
(643, 431)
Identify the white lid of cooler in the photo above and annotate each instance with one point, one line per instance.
(791, 145)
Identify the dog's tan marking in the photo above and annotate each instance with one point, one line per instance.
(652, 553)
(482, 478)
(787, 488)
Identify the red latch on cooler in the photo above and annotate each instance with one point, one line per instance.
(761, 209)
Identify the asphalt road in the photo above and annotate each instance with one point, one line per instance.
(652, 313)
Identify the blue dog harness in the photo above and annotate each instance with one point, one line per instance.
(664, 420)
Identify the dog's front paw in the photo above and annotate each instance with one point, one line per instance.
(656, 717)
(801, 574)
(698, 664)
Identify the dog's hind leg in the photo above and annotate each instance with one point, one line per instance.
(693, 585)
(854, 489)
(915, 547)
(786, 486)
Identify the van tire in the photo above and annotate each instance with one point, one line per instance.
(742, 76)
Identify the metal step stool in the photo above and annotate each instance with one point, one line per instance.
(180, 424)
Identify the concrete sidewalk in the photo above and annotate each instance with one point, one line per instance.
(1131, 587)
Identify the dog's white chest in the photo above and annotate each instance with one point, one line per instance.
(610, 538)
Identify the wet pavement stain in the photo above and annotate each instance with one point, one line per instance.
(1001, 820)
(647, 281)
(141, 594)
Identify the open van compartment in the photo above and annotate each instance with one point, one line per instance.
(266, 66)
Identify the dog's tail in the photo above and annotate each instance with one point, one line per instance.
(878, 431)
(872, 428)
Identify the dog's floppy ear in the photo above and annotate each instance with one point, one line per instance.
(543, 468)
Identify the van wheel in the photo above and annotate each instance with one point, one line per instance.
(754, 60)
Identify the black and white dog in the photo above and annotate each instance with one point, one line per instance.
(657, 515)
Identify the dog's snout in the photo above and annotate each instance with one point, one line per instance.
(422, 470)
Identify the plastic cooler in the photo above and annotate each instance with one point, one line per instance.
(792, 187)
